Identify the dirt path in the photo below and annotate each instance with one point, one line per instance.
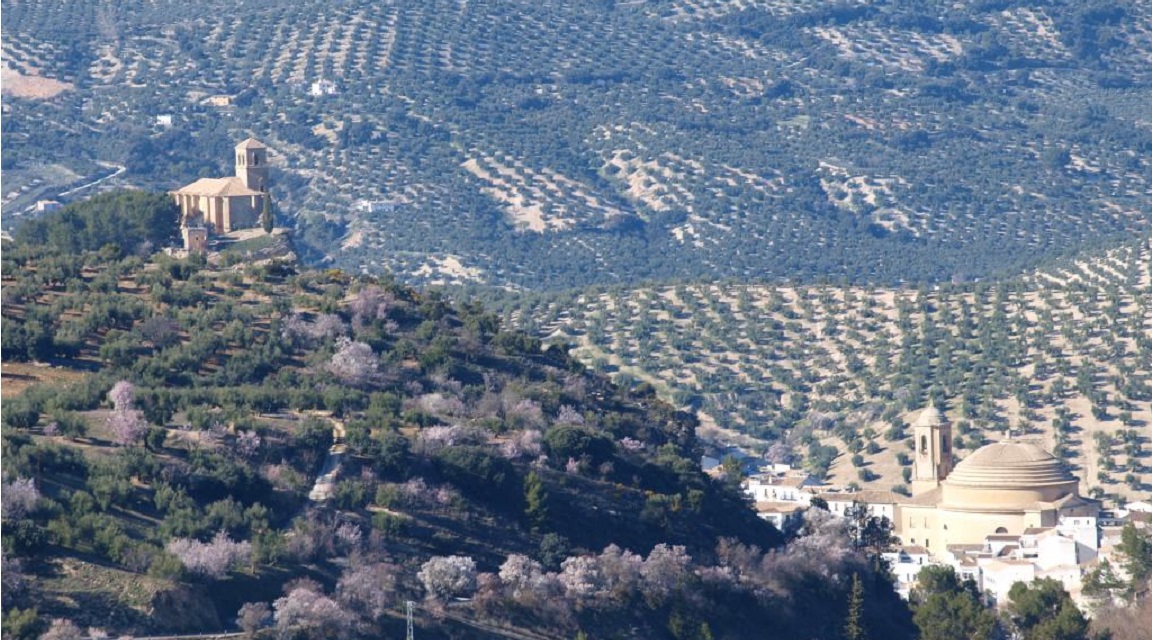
(504, 632)
(330, 471)
(119, 170)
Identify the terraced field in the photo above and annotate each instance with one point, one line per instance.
(553, 145)
(1062, 355)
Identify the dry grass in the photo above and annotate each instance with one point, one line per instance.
(18, 376)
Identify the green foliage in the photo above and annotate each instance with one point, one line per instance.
(944, 608)
(566, 442)
(480, 474)
(853, 623)
(267, 222)
(535, 501)
(22, 624)
(1043, 610)
(235, 385)
(125, 219)
(1136, 549)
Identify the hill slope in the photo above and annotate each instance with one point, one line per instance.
(560, 144)
(193, 438)
(1062, 355)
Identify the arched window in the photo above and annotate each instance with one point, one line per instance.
(1001, 530)
(923, 444)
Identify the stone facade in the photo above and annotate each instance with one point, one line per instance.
(223, 205)
(1002, 488)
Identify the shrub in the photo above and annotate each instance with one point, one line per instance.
(479, 474)
(566, 442)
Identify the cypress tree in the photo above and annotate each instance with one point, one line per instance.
(536, 510)
(854, 626)
(266, 219)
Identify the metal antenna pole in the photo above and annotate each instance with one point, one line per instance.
(410, 607)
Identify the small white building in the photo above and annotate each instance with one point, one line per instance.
(323, 87)
(906, 563)
(773, 488)
(1000, 574)
(878, 503)
(1140, 506)
(782, 515)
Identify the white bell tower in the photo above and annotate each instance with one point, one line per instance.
(933, 460)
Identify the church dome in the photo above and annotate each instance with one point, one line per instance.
(1008, 474)
(930, 417)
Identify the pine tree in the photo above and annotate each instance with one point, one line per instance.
(536, 499)
(266, 219)
(854, 626)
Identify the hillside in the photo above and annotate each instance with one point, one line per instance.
(185, 442)
(1061, 355)
(561, 144)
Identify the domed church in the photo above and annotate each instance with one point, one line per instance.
(1002, 488)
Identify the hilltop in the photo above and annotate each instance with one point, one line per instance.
(1058, 355)
(556, 145)
(187, 441)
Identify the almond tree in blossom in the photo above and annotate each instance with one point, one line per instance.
(211, 559)
(61, 629)
(369, 588)
(253, 616)
(354, 363)
(305, 612)
(446, 577)
(123, 396)
(664, 569)
(127, 425)
(18, 498)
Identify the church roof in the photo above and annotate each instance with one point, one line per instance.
(928, 498)
(1010, 464)
(217, 187)
(251, 143)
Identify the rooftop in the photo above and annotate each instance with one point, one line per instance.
(232, 186)
(1010, 465)
(251, 143)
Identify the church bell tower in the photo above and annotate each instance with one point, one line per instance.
(933, 460)
(252, 164)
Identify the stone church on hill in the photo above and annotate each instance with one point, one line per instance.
(223, 205)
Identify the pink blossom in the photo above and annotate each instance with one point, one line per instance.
(580, 576)
(370, 588)
(210, 559)
(631, 444)
(445, 577)
(127, 426)
(122, 396)
(18, 498)
(521, 574)
(569, 415)
(61, 629)
(354, 363)
(524, 444)
(304, 611)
